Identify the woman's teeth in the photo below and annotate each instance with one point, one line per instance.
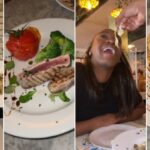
(111, 50)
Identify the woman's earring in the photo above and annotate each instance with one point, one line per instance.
(90, 53)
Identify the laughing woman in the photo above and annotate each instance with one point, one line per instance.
(105, 89)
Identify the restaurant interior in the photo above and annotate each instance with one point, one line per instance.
(89, 21)
(94, 21)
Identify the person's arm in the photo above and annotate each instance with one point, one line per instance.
(132, 16)
(136, 114)
(87, 126)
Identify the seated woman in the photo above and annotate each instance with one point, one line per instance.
(105, 89)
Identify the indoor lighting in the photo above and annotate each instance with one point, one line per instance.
(88, 4)
(116, 12)
(130, 46)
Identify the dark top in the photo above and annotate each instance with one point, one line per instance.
(87, 107)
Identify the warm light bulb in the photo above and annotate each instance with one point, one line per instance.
(116, 12)
(88, 4)
(130, 46)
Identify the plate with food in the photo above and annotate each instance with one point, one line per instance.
(102, 137)
(68, 4)
(39, 78)
(136, 140)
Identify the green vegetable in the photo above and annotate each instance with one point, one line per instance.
(13, 80)
(57, 37)
(62, 95)
(17, 33)
(53, 96)
(12, 85)
(9, 65)
(25, 98)
(66, 45)
(9, 89)
(58, 45)
(68, 48)
(52, 50)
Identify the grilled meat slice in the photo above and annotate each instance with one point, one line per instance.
(44, 71)
(63, 83)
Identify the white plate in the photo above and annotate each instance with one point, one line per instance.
(102, 137)
(51, 118)
(126, 140)
(65, 4)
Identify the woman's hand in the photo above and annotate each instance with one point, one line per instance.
(133, 16)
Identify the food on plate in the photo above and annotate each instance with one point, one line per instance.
(58, 45)
(52, 63)
(47, 70)
(25, 98)
(9, 65)
(140, 146)
(62, 95)
(12, 85)
(63, 81)
(52, 50)
(23, 44)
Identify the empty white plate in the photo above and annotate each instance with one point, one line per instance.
(126, 140)
(102, 137)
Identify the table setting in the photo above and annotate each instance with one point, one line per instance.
(113, 137)
(35, 128)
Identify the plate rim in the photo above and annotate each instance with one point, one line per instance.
(64, 6)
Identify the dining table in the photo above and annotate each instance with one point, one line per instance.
(83, 142)
(18, 12)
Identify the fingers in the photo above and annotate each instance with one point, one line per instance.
(126, 14)
(132, 17)
(131, 23)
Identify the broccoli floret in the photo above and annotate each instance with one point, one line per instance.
(66, 45)
(58, 45)
(41, 55)
(68, 48)
(52, 50)
(57, 37)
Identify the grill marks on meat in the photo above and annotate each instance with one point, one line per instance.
(63, 83)
(52, 70)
